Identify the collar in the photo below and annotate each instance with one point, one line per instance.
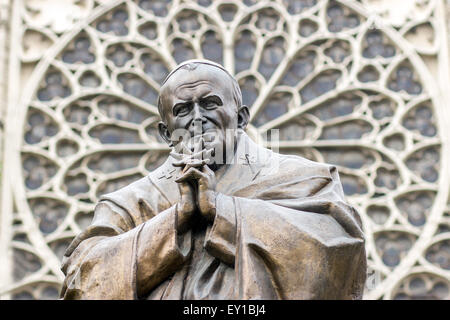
(248, 161)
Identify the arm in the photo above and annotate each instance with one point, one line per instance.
(295, 239)
(322, 195)
(113, 259)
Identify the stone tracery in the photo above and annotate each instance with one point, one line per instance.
(340, 88)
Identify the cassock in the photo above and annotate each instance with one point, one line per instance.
(282, 230)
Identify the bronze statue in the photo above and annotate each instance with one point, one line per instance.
(222, 218)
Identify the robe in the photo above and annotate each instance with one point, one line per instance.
(282, 230)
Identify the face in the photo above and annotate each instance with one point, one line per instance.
(200, 102)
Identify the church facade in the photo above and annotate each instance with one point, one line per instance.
(360, 84)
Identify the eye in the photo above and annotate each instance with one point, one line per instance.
(211, 103)
(182, 109)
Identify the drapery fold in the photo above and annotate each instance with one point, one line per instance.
(283, 230)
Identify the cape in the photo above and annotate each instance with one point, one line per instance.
(283, 230)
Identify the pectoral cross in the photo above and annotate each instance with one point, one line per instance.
(167, 173)
(248, 160)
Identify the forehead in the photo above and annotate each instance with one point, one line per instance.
(201, 79)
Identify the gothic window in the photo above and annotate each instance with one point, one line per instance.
(345, 83)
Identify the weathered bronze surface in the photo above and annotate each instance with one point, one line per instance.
(222, 218)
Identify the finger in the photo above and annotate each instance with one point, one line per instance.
(182, 162)
(194, 164)
(210, 179)
(194, 173)
(191, 174)
(179, 163)
(203, 154)
(186, 160)
(177, 156)
(207, 170)
(190, 161)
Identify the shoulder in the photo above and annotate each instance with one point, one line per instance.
(130, 197)
(139, 187)
(271, 162)
(288, 164)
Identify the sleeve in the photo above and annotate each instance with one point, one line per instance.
(285, 253)
(113, 259)
(297, 239)
(221, 239)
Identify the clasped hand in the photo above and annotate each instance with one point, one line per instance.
(197, 186)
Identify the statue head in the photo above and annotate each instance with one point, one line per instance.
(201, 98)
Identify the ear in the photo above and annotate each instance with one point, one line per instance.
(164, 133)
(243, 117)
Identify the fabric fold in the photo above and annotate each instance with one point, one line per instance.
(220, 240)
(282, 230)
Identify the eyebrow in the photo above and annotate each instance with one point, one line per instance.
(212, 96)
(207, 97)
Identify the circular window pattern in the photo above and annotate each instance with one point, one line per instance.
(340, 88)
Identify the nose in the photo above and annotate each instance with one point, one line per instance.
(198, 119)
(197, 112)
